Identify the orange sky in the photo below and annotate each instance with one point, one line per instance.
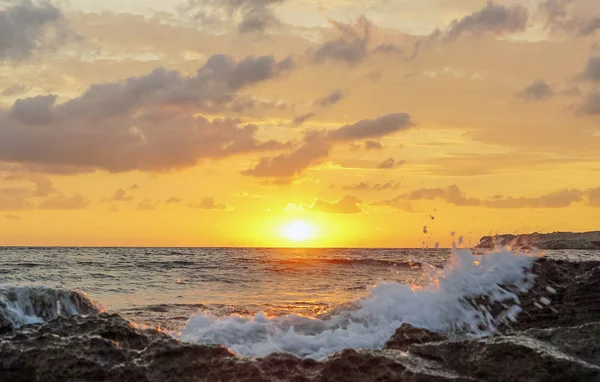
(220, 123)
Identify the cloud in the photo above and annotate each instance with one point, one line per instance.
(250, 15)
(591, 103)
(537, 91)
(495, 19)
(372, 128)
(299, 120)
(592, 69)
(347, 205)
(398, 203)
(120, 196)
(61, 202)
(146, 205)
(317, 145)
(330, 99)
(12, 217)
(574, 17)
(364, 186)
(28, 26)
(13, 90)
(43, 185)
(147, 123)
(354, 44)
(373, 145)
(173, 200)
(390, 163)
(313, 149)
(134, 187)
(209, 203)
(454, 195)
(594, 197)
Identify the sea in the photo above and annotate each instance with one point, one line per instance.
(307, 302)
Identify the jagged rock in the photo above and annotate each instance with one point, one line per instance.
(108, 348)
(565, 294)
(407, 335)
(579, 341)
(508, 358)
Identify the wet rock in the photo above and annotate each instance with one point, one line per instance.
(508, 358)
(578, 341)
(565, 294)
(407, 335)
(107, 348)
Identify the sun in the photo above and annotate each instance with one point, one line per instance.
(297, 231)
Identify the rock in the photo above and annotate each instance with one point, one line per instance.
(577, 341)
(571, 291)
(407, 335)
(508, 358)
(106, 347)
(555, 240)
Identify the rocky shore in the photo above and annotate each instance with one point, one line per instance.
(555, 240)
(556, 338)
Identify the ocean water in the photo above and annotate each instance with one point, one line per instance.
(308, 302)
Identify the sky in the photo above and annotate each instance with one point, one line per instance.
(374, 123)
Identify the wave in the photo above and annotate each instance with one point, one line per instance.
(456, 299)
(23, 305)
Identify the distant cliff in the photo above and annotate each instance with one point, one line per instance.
(555, 240)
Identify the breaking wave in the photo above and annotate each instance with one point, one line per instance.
(456, 299)
(469, 296)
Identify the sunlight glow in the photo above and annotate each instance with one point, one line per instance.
(298, 231)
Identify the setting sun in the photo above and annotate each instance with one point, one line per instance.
(298, 231)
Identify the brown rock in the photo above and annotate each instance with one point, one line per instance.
(407, 335)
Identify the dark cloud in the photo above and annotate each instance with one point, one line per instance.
(120, 196)
(330, 99)
(364, 186)
(574, 17)
(390, 163)
(250, 15)
(28, 26)
(495, 19)
(299, 120)
(173, 200)
(147, 123)
(354, 43)
(287, 165)
(134, 187)
(347, 205)
(454, 195)
(61, 202)
(537, 91)
(373, 145)
(591, 103)
(209, 203)
(592, 69)
(12, 217)
(147, 205)
(372, 128)
(317, 145)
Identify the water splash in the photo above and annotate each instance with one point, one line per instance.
(23, 305)
(455, 299)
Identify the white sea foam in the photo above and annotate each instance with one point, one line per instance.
(445, 302)
(23, 305)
